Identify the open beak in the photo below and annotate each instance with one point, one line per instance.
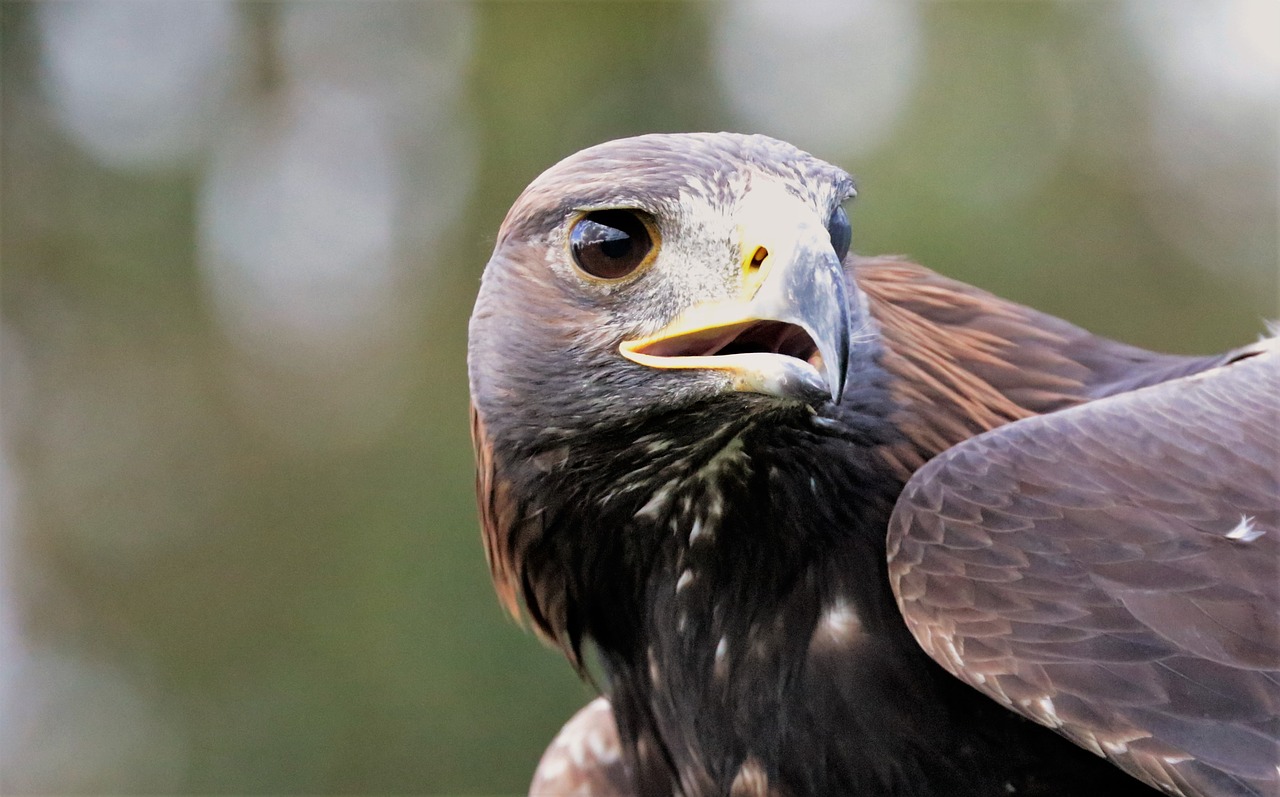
(787, 333)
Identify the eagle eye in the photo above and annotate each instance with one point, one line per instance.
(610, 244)
(840, 231)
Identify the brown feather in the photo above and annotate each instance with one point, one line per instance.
(965, 361)
(509, 530)
(1113, 571)
(930, 342)
(496, 510)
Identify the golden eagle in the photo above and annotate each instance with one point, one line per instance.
(839, 525)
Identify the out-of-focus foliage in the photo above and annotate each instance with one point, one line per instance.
(238, 550)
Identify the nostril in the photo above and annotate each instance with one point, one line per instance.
(757, 259)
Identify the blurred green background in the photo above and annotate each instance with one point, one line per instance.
(238, 550)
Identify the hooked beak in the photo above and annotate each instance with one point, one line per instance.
(787, 333)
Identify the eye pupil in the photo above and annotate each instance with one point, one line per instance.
(840, 231)
(610, 244)
(615, 247)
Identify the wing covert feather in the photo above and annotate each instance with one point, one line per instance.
(1113, 570)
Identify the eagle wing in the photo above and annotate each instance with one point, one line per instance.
(1112, 570)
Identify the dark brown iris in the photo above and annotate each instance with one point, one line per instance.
(610, 244)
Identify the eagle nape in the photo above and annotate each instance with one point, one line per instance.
(840, 525)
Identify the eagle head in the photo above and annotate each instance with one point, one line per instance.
(642, 294)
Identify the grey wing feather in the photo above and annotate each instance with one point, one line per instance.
(1113, 571)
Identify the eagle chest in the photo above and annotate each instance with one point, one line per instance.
(734, 613)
